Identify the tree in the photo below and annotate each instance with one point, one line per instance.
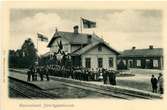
(12, 58)
(29, 53)
(24, 57)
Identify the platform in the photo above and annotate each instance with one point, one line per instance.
(54, 82)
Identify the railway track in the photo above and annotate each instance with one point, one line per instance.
(27, 91)
(16, 93)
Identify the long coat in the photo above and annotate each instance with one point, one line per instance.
(154, 82)
(160, 82)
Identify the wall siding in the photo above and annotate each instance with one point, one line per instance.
(94, 55)
(143, 62)
(66, 45)
(75, 47)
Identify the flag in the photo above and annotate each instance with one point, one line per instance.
(42, 37)
(60, 45)
(88, 23)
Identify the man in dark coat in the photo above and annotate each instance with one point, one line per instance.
(104, 76)
(86, 75)
(41, 73)
(111, 77)
(114, 78)
(154, 84)
(47, 73)
(33, 73)
(29, 75)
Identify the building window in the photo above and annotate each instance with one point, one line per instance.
(100, 62)
(110, 62)
(99, 48)
(134, 63)
(130, 63)
(155, 63)
(138, 63)
(148, 64)
(87, 62)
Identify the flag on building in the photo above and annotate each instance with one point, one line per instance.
(60, 45)
(88, 23)
(42, 37)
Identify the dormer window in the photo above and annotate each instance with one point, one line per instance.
(99, 48)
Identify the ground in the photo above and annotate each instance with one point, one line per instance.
(137, 85)
(141, 80)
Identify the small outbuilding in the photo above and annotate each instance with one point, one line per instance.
(149, 58)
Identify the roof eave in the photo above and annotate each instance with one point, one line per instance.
(52, 40)
(111, 48)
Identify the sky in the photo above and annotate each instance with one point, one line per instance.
(122, 29)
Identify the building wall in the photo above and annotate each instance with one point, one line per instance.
(94, 54)
(66, 45)
(74, 47)
(161, 62)
(143, 62)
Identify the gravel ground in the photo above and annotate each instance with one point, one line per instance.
(141, 80)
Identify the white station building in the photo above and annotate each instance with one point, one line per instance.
(86, 50)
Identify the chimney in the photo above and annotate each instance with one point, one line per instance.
(151, 47)
(133, 48)
(76, 29)
(89, 37)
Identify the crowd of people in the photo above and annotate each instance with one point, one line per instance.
(76, 73)
(85, 74)
(157, 84)
(107, 76)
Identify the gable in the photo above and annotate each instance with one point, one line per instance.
(66, 46)
(104, 50)
(64, 41)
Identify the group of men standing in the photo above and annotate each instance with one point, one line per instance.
(108, 76)
(77, 73)
(157, 84)
(35, 71)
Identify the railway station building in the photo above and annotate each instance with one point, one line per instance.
(86, 50)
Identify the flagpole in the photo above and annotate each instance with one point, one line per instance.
(81, 24)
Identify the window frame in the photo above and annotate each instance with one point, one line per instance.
(89, 63)
(98, 64)
(111, 64)
(138, 63)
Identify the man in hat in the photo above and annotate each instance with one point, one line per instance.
(154, 84)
